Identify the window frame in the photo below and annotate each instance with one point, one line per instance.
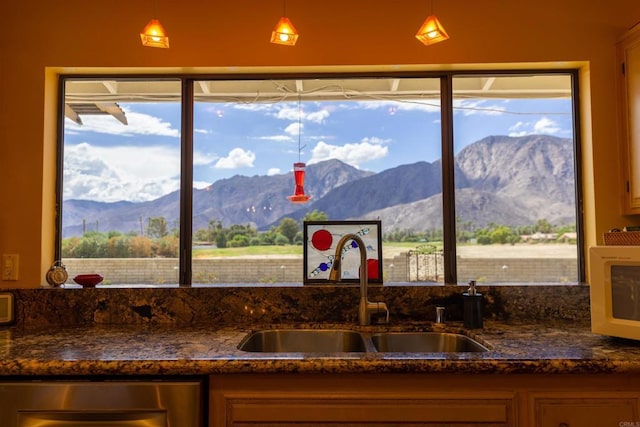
(187, 82)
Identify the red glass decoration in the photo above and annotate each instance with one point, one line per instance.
(298, 195)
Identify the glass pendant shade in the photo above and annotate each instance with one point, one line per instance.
(284, 33)
(298, 195)
(154, 35)
(431, 31)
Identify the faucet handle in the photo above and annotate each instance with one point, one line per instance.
(382, 308)
(440, 315)
(378, 310)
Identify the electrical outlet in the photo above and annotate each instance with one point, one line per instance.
(10, 266)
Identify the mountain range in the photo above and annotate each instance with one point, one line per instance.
(499, 179)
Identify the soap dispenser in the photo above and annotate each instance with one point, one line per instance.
(472, 310)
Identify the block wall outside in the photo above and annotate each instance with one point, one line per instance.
(402, 268)
(154, 271)
(523, 270)
(158, 271)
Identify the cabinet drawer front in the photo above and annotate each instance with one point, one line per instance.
(495, 412)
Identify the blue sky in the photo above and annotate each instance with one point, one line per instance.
(108, 161)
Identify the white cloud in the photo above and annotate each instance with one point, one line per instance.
(237, 158)
(353, 154)
(200, 159)
(287, 112)
(277, 138)
(273, 171)
(518, 129)
(202, 131)
(546, 126)
(317, 116)
(253, 107)
(375, 140)
(520, 133)
(138, 124)
(116, 173)
(294, 128)
(543, 126)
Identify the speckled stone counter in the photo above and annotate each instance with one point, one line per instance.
(195, 331)
(552, 348)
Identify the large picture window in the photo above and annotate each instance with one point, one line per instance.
(515, 197)
(189, 180)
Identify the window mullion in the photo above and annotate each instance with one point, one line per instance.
(59, 169)
(448, 181)
(186, 183)
(577, 161)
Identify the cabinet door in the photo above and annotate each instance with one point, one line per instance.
(586, 412)
(346, 400)
(629, 56)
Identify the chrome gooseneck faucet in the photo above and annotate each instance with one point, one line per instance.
(366, 308)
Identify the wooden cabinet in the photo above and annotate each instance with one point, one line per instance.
(243, 400)
(354, 400)
(585, 409)
(629, 93)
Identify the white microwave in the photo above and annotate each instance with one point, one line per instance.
(615, 290)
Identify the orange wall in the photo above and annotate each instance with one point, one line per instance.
(97, 34)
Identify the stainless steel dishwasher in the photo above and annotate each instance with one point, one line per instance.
(101, 403)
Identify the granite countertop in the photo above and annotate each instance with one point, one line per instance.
(155, 350)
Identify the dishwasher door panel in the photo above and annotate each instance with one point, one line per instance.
(101, 403)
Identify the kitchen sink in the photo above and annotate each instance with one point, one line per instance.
(304, 341)
(348, 341)
(425, 342)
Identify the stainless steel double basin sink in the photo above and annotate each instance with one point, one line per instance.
(349, 341)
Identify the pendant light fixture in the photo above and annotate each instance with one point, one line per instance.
(153, 34)
(431, 30)
(299, 195)
(284, 32)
